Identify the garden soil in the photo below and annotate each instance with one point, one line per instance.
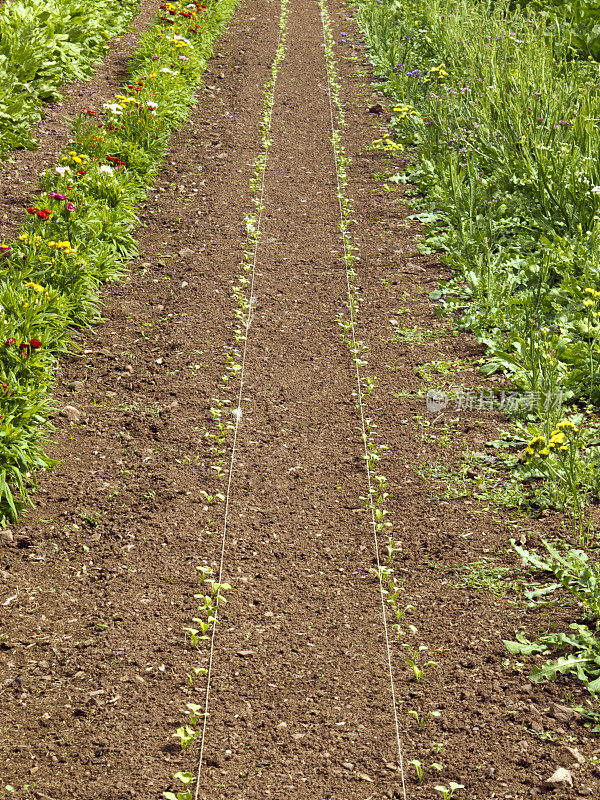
(97, 582)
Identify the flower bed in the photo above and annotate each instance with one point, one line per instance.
(44, 45)
(80, 231)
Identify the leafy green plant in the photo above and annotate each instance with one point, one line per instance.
(422, 771)
(413, 661)
(448, 792)
(186, 778)
(559, 457)
(580, 577)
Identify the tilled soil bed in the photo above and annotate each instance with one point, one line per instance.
(98, 581)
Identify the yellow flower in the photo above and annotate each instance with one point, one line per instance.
(35, 286)
(557, 437)
(545, 452)
(537, 443)
(567, 425)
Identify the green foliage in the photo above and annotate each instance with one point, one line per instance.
(501, 104)
(505, 126)
(580, 577)
(44, 45)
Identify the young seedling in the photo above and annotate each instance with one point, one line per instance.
(186, 736)
(204, 572)
(195, 713)
(195, 674)
(412, 661)
(186, 778)
(448, 791)
(421, 771)
(422, 720)
(417, 672)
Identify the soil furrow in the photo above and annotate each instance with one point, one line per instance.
(300, 675)
(104, 569)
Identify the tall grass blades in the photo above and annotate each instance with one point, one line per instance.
(504, 118)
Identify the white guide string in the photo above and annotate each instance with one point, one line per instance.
(237, 412)
(335, 138)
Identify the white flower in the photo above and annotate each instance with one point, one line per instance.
(168, 71)
(151, 104)
(115, 108)
(62, 171)
(178, 38)
(107, 169)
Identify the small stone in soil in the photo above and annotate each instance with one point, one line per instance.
(563, 714)
(561, 778)
(71, 413)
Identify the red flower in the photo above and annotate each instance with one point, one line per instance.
(35, 344)
(8, 342)
(42, 213)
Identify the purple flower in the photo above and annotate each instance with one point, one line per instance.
(56, 196)
(70, 207)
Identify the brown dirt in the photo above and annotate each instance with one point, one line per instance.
(102, 573)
